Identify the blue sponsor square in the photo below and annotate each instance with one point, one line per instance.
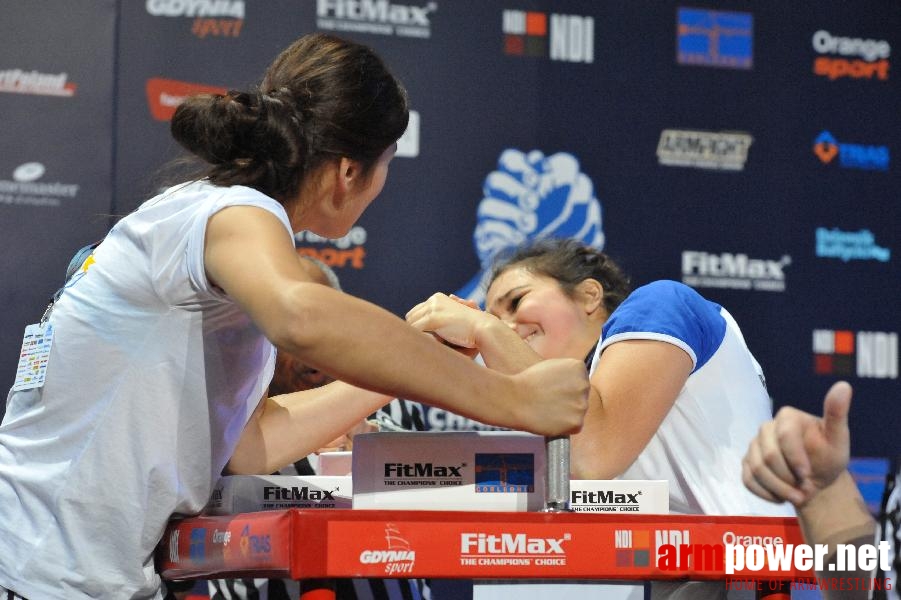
(198, 543)
(715, 38)
(504, 472)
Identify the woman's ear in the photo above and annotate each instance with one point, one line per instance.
(349, 173)
(589, 293)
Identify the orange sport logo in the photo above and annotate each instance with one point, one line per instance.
(854, 58)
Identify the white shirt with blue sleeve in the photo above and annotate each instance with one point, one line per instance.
(700, 444)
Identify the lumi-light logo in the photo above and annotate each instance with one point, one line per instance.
(869, 354)
(568, 38)
(714, 38)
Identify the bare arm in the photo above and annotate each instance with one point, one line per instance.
(803, 459)
(635, 384)
(633, 388)
(251, 257)
(271, 438)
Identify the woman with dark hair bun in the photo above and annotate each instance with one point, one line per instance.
(163, 342)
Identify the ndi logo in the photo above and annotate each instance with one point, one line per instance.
(571, 37)
(850, 156)
(633, 548)
(870, 354)
(504, 473)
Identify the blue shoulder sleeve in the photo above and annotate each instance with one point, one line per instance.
(670, 311)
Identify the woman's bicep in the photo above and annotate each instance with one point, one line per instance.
(634, 386)
(249, 254)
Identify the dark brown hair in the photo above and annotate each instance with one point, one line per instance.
(570, 262)
(322, 98)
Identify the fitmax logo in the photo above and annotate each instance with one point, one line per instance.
(510, 543)
(295, 493)
(421, 470)
(379, 17)
(604, 497)
(735, 271)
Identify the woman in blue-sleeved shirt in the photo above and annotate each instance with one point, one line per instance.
(675, 392)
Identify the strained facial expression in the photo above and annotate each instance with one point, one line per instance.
(538, 309)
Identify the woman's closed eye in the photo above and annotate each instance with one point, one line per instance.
(514, 301)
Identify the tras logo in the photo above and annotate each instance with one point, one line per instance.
(254, 545)
(855, 58)
(399, 558)
(217, 18)
(570, 38)
(867, 354)
(713, 38)
(850, 156)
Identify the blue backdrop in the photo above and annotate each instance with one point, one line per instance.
(747, 150)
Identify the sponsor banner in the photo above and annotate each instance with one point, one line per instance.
(164, 95)
(348, 251)
(566, 38)
(619, 496)
(24, 188)
(17, 81)
(257, 542)
(849, 245)
(377, 17)
(733, 271)
(726, 151)
(208, 18)
(235, 494)
(511, 550)
(865, 354)
(714, 38)
(491, 471)
(851, 57)
(850, 156)
(470, 545)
